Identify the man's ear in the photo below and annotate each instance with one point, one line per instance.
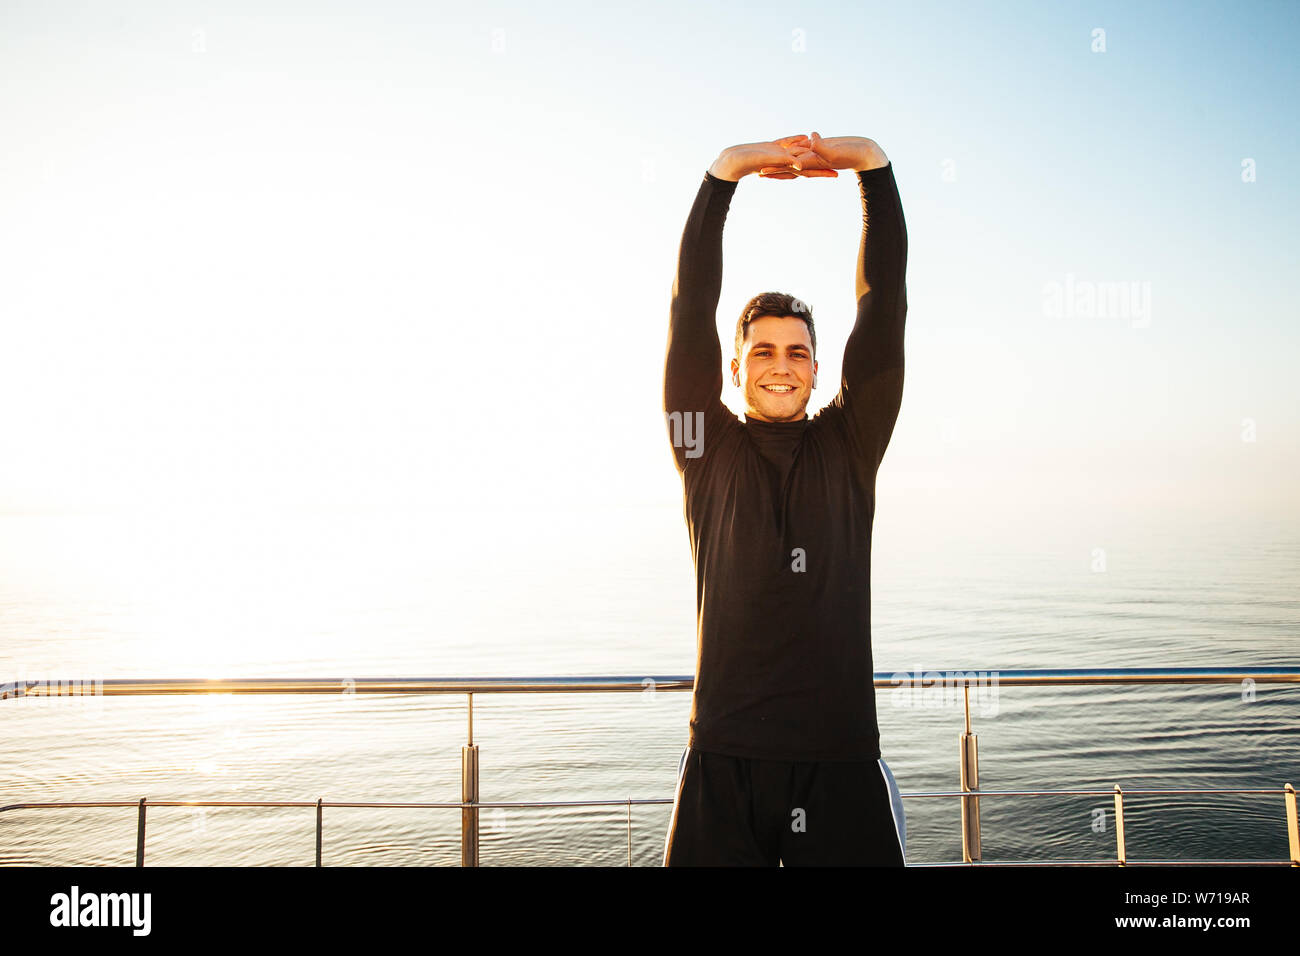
(814, 385)
(735, 373)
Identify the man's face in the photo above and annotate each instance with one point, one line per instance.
(776, 369)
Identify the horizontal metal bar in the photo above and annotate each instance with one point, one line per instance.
(1110, 792)
(328, 805)
(645, 801)
(950, 677)
(339, 686)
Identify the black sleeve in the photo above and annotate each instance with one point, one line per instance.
(693, 364)
(871, 387)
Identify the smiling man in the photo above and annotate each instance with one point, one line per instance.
(779, 371)
(783, 763)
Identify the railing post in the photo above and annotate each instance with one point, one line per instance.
(469, 794)
(139, 836)
(318, 827)
(1292, 825)
(970, 783)
(1120, 851)
(629, 831)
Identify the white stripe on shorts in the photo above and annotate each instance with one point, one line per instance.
(677, 795)
(896, 808)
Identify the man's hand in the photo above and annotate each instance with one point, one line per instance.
(790, 155)
(838, 152)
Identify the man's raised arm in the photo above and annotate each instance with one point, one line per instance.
(871, 385)
(693, 365)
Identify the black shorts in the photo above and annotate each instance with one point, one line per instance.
(737, 811)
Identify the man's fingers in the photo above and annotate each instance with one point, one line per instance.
(809, 173)
(784, 172)
(812, 157)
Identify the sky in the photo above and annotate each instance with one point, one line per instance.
(289, 255)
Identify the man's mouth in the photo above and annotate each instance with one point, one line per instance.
(779, 389)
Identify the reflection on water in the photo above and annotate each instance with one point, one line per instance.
(535, 593)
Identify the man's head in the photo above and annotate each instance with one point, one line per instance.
(775, 363)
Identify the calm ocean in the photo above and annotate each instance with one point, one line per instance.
(610, 591)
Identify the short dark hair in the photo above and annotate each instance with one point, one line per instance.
(775, 304)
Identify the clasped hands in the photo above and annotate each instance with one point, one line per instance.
(795, 156)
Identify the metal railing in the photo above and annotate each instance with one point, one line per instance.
(470, 805)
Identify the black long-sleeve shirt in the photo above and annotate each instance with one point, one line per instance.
(780, 513)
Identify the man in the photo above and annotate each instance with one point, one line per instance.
(783, 763)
